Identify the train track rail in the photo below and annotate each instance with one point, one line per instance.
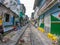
(25, 38)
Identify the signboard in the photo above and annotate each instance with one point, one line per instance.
(56, 15)
(59, 15)
(47, 20)
(21, 14)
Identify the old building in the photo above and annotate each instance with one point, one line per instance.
(32, 16)
(14, 5)
(12, 12)
(7, 18)
(22, 13)
(49, 13)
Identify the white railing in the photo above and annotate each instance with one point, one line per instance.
(45, 7)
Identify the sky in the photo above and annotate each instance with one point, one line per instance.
(29, 6)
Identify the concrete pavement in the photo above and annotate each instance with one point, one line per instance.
(30, 35)
(35, 37)
(13, 40)
(39, 38)
(26, 38)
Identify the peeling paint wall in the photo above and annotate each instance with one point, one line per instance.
(47, 23)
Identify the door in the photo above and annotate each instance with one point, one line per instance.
(1, 25)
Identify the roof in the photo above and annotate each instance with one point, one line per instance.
(8, 8)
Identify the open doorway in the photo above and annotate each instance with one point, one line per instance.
(7, 17)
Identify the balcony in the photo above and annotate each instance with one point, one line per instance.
(46, 6)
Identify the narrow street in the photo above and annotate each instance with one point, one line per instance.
(29, 22)
(39, 38)
(13, 37)
(28, 35)
(33, 37)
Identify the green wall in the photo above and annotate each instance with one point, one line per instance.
(42, 25)
(55, 28)
(55, 25)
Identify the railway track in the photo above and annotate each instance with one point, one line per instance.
(32, 36)
(25, 38)
(29, 38)
(14, 40)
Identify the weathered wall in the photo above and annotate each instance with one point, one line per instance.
(55, 23)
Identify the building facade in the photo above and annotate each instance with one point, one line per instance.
(49, 13)
(22, 8)
(32, 16)
(11, 13)
(22, 14)
(7, 18)
(14, 5)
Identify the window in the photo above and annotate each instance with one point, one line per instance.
(16, 0)
(17, 9)
(1, 1)
(10, 1)
(7, 17)
(14, 3)
(58, 6)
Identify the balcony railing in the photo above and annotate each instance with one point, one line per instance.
(46, 6)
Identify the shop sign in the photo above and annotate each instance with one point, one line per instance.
(59, 15)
